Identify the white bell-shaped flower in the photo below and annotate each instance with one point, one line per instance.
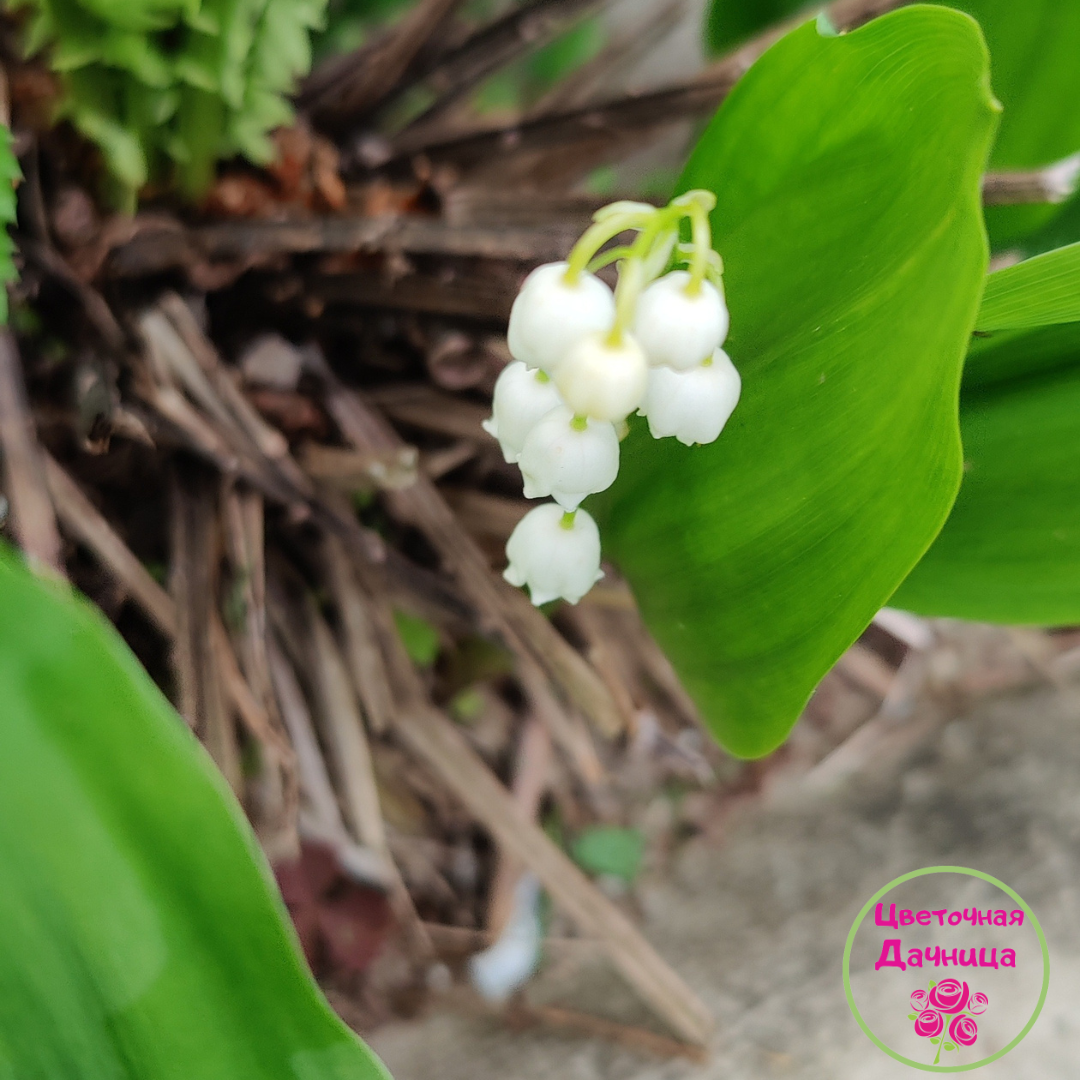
(676, 328)
(521, 398)
(692, 405)
(550, 314)
(568, 458)
(553, 557)
(601, 380)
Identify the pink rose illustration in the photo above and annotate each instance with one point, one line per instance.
(929, 1023)
(963, 1030)
(949, 996)
(947, 1004)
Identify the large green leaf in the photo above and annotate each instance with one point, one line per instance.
(1010, 551)
(141, 937)
(1034, 45)
(847, 173)
(1036, 292)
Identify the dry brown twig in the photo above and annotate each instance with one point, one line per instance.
(84, 522)
(632, 112)
(193, 585)
(351, 85)
(527, 788)
(436, 741)
(24, 472)
(492, 47)
(526, 631)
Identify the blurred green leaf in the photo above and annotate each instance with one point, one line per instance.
(140, 933)
(1037, 292)
(1009, 354)
(524, 82)
(420, 638)
(1010, 550)
(729, 23)
(10, 173)
(466, 706)
(564, 55)
(1059, 231)
(611, 851)
(847, 172)
(1034, 50)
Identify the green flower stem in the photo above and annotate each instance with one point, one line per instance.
(701, 235)
(567, 520)
(606, 258)
(632, 272)
(631, 282)
(597, 235)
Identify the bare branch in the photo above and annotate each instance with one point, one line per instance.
(24, 476)
(1054, 184)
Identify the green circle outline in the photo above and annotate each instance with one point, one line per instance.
(866, 911)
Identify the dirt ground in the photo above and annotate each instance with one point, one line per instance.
(757, 923)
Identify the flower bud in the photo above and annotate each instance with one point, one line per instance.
(550, 314)
(569, 458)
(678, 329)
(521, 398)
(552, 557)
(601, 380)
(692, 405)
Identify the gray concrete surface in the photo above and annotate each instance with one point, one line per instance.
(758, 924)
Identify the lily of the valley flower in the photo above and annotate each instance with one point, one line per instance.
(551, 313)
(692, 405)
(522, 398)
(679, 325)
(569, 457)
(601, 378)
(555, 554)
(585, 358)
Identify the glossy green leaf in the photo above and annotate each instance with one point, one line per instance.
(1034, 45)
(141, 936)
(847, 173)
(1036, 292)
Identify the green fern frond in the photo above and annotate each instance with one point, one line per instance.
(167, 88)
